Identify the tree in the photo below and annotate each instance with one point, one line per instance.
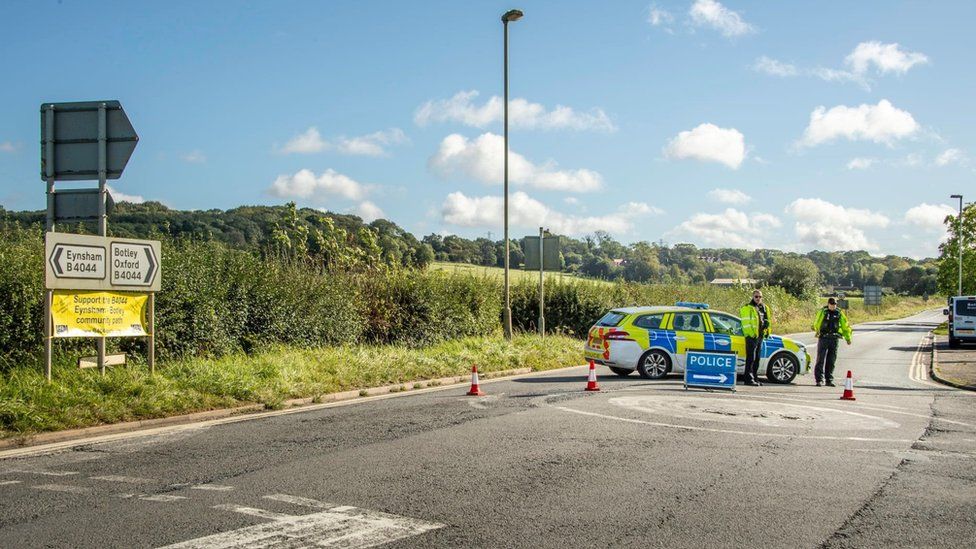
(949, 254)
(797, 275)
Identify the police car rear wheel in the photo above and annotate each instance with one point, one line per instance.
(782, 369)
(654, 365)
(622, 372)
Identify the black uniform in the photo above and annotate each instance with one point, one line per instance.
(754, 345)
(827, 346)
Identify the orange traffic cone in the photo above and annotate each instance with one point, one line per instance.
(848, 388)
(475, 390)
(591, 381)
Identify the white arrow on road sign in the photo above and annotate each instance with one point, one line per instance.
(721, 378)
(77, 261)
(132, 264)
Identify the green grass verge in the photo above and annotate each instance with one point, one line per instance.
(942, 330)
(84, 398)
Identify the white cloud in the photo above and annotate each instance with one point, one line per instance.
(120, 196)
(571, 200)
(525, 211)
(195, 157)
(659, 17)
(829, 227)
(731, 228)
(881, 123)
(483, 159)
(709, 143)
(368, 211)
(836, 75)
(950, 156)
(521, 114)
(8, 147)
(884, 58)
(773, 67)
(305, 184)
(709, 13)
(929, 216)
(729, 196)
(311, 141)
(861, 163)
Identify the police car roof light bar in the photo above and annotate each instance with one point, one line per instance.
(691, 305)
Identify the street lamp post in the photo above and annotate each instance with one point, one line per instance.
(510, 15)
(959, 238)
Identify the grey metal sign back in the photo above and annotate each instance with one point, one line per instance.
(872, 295)
(550, 251)
(70, 134)
(79, 204)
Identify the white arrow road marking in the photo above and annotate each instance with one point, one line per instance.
(162, 498)
(44, 473)
(9, 482)
(344, 526)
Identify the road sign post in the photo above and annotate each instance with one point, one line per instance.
(547, 248)
(80, 141)
(710, 370)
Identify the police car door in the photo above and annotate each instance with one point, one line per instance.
(726, 335)
(689, 334)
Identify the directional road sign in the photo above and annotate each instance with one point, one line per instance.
(550, 249)
(710, 369)
(84, 262)
(70, 135)
(133, 264)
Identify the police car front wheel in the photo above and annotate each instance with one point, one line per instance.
(782, 368)
(654, 365)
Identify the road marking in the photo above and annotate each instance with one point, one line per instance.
(162, 498)
(9, 482)
(345, 526)
(212, 487)
(44, 473)
(119, 478)
(62, 488)
(730, 431)
(298, 500)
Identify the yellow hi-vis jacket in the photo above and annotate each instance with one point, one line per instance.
(843, 327)
(750, 320)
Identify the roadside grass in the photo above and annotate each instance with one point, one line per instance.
(942, 330)
(83, 398)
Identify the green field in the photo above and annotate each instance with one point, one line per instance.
(499, 273)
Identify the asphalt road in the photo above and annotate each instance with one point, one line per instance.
(540, 463)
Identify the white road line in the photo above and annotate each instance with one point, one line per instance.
(730, 431)
(252, 511)
(9, 482)
(298, 500)
(119, 478)
(43, 473)
(63, 488)
(348, 527)
(162, 498)
(212, 487)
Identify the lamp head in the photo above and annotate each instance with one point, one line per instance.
(512, 15)
(955, 196)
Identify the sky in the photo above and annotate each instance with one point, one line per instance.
(798, 126)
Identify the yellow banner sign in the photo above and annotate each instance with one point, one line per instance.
(78, 313)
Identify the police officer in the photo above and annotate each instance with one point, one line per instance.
(830, 325)
(755, 326)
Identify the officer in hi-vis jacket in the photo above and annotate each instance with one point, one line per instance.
(830, 325)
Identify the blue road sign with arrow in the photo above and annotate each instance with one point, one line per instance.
(709, 369)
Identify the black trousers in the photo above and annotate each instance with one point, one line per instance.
(753, 354)
(826, 358)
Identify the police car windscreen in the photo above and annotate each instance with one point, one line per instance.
(611, 319)
(966, 307)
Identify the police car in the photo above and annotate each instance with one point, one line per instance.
(962, 319)
(654, 341)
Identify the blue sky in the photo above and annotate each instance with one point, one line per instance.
(820, 125)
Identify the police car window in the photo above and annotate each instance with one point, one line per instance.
(649, 322)
(966, 307)
(611, 319)
(727, 325)
(689, 322)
